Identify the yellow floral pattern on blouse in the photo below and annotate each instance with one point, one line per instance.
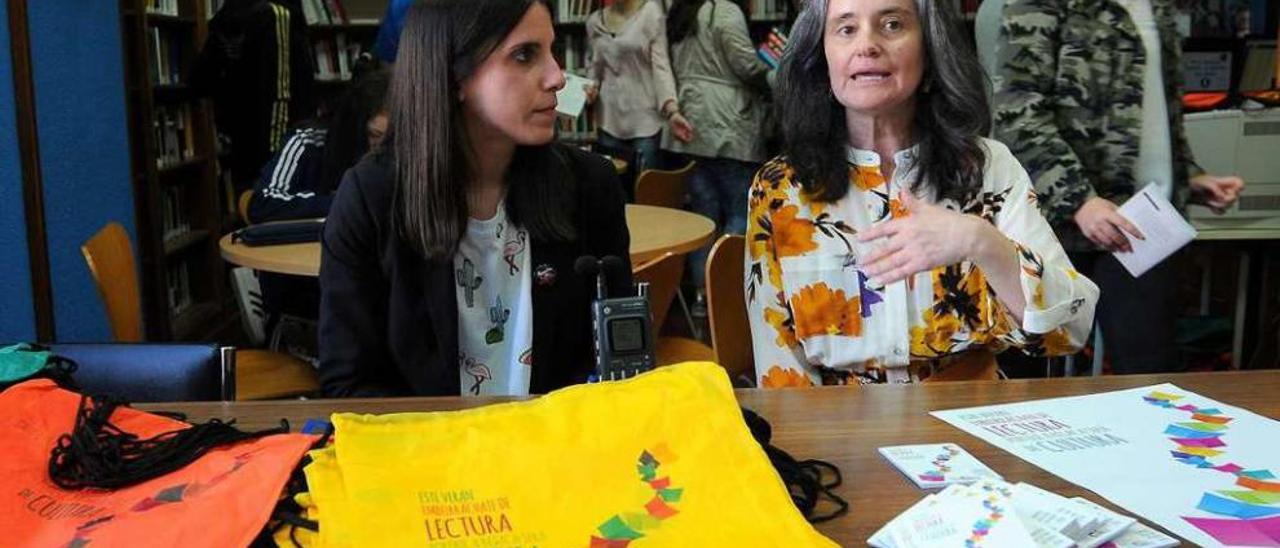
(815, 316)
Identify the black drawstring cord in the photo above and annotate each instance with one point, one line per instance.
(804, 479)
(98, 454)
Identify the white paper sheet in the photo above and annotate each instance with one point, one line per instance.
(573, 97)
(1163, 227)
(1131, 447)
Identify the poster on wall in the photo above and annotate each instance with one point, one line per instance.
(1204, 470)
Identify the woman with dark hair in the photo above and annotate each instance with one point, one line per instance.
(891, 241)
(300, 180)
(721, 87)
(447, 258)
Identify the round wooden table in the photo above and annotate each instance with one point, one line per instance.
(654, 231)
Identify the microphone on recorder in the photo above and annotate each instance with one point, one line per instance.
(586, 265)
(589, 265)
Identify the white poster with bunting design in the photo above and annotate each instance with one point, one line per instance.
(1206, 471)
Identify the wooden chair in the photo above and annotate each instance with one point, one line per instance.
(242, 206)
(663, 188)
(110, 258)
(260, 374)
(663, 276)
(727, 307)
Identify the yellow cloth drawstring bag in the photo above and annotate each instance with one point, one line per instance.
(663, 459)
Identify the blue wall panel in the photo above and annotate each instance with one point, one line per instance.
(17, 317)
(84, 148)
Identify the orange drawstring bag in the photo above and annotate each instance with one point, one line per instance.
(223, 498)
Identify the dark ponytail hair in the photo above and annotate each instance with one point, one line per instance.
(346, 139)
(442, 44)
(682, 20)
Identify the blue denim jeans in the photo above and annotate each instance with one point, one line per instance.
(718, 189)
(641, 153)
(644, 149)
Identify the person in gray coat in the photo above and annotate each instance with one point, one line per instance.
(721, 85)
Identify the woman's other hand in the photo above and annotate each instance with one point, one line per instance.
(1216, 191)
(681, 129)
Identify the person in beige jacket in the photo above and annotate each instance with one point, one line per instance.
(721, 86)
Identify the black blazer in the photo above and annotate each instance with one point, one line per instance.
(389, 319)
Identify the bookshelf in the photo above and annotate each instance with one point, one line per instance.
(180, 210)
(571, 51)
(341, 31)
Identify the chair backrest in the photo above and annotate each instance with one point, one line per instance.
(727, 306)
(110, 258)
(663, 276)
(657, 187)
(242, 206)
(153, 372)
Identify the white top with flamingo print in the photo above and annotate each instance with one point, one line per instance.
(495, 308)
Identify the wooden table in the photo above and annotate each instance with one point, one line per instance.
(844, 425)
(654, 231)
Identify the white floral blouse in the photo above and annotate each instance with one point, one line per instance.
(815, 318)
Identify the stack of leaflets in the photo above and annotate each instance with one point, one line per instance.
(937, 465)
(993, 513)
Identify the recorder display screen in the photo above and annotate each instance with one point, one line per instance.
(626, 335)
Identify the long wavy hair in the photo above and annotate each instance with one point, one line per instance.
(442, 44)
(952, 111)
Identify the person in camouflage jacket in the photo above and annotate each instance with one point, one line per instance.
(1068, 97)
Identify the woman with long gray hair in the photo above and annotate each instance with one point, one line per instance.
(891, 241)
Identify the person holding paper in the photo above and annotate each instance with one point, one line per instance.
(891, 240)
(722, 89)
(1089, 98)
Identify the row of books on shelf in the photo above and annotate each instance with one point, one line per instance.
(173, 219)
(575, 11)
(771, 49)
(166, 56)
(575, 54)
(335, 57)
(163, 7)
(767, 10)
(211, 7)
(177, 285)
(324, 12)
(173, 135)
